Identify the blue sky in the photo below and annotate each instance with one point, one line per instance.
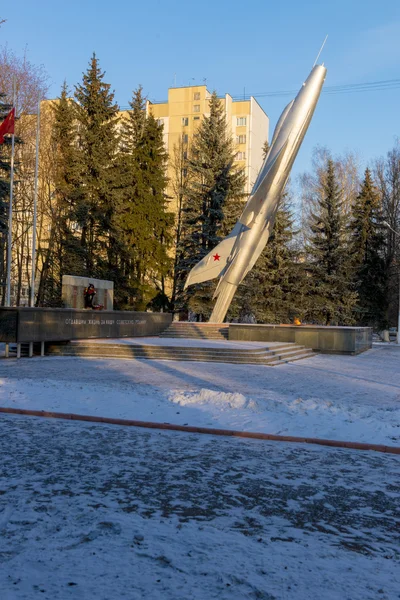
(258, 46)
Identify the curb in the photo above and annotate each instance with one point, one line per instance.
(202, 430)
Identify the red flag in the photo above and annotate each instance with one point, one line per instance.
(7, 126)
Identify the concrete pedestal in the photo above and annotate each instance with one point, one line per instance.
(73, 288)
(329, 340)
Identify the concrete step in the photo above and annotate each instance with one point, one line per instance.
(196, 330)
(217, 359)
(282, 354)
(153, 349)
(260, 356)
(190, 332)
(178, 355)
(300, 356)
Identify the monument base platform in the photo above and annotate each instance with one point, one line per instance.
(328, 340)
(202, 350)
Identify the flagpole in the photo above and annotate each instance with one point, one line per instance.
(10, 212)
(35, 195)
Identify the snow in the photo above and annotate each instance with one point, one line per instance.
(99, 512)
(95, 512)
(353, 398)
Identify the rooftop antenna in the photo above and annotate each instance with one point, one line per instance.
(318, 55)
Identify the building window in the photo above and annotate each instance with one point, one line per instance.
(185, 121)
(240, 139)
(160, 122)
(240, 156)
(196, 108)
(196, 118)
(196, 96)
(185, 155)
(184, 172)
(185, 138)
(241, 121)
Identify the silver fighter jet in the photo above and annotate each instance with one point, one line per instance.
(236, 255)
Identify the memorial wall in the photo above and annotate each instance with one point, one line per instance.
(73, 292)
(60, 324)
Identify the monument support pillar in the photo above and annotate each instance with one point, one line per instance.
(225, 294)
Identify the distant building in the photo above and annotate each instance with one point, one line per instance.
(186, 107)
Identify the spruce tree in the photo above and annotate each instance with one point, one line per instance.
(98, 195)
(368, 249)
(144, 221)
(213, 202)
(331, 295)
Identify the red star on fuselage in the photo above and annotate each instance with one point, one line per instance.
(216, 257)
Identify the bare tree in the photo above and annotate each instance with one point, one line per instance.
(387, 177)
(30, 80)
(312, 183)
(31, 83)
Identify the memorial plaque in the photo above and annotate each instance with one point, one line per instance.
(60, 324)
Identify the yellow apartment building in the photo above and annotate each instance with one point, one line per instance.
(181, 115)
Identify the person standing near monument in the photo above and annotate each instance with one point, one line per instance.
(89, 294)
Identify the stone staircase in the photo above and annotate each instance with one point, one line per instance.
(203, 331)
(273, 355)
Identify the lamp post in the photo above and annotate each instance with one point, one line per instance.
(386, 224)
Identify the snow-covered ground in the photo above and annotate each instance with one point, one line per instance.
(96, 512)
(354, 398)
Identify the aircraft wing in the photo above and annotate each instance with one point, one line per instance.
(214, 262)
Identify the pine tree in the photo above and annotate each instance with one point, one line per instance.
(98, 198)
(368, 249)
(213, 202)
(331, 295)
(144, 220)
